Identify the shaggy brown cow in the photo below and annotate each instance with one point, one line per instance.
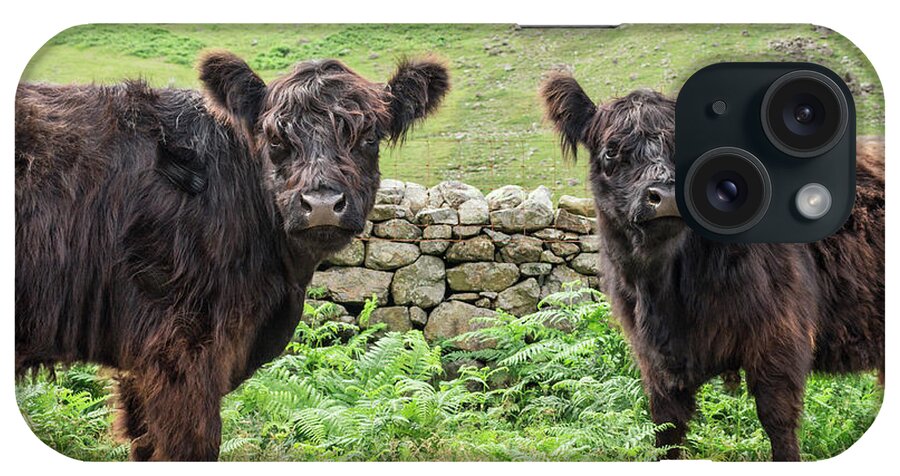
(693, 308)
(171, 234)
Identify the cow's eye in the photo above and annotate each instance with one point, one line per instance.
(608, 162)
(277, 150)
(370, 143)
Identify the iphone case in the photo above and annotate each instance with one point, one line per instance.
(381, 242)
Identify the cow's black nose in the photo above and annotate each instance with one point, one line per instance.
(323, 207)
(662, 200)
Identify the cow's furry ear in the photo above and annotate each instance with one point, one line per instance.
(234, 91)
(569, 109)
(417, 88)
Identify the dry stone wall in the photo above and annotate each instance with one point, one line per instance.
(436, 258)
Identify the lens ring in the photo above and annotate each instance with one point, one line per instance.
(780, 135)
(713, 164)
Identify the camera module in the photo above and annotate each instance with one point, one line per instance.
(778, 166)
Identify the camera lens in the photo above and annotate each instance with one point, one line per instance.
(804, 113)
(727, 190)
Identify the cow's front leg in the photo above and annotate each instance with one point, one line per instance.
(131, 421)
(779, 402)
(674, 407)
(182, 404)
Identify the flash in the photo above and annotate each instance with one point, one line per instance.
(813, 201)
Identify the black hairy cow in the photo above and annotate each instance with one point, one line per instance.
(694, 308)
(170, 234)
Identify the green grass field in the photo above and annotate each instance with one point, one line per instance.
(490, 131)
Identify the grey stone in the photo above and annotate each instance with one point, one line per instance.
(453, 318)
(560, 275)
(421, 283)
(479, 248)
(418, 316)
(586, 263)
(473, 212)
(508, 219)
(350, 255)
(535, 269)
(564, 248)
(540, 197)
(482, 276)
(353, 285)
(347, 320)
(549, 234)
(547, 256)
(386, 212)
(397, 229)
(434, 198)
(390, 192)
(519, 220)
(388, 197)
(521, 249)
(415, 197)
(589, 243)
(508, 196)
(467, 297)
(388, 255)
(578, 206)
(437, 216)
(456, 193)
(488, 294)
(520, 299)
(534, 213)
(499, 238)
(395, 317)
(466, 231)
(391, 183)
(574, 223)
(434, 232)
(434, 248)
(431, 234)
(367, 230)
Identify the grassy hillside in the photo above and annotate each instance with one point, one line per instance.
(490, 131)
